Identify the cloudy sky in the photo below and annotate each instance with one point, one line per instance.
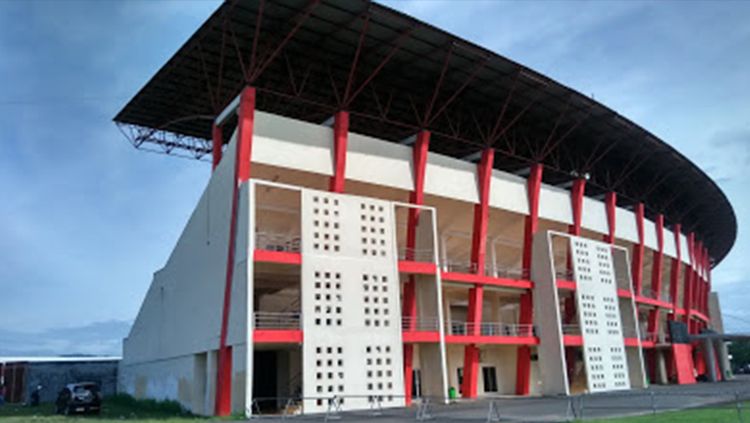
(85, 219)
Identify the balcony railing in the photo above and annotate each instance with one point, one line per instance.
(564, 275)
(277, 242)
(490, 329)
(418, 324)
(414, 254)
(276, 320)
(493, 270)
(571, 329)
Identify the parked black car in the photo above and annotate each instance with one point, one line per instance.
(82, 397)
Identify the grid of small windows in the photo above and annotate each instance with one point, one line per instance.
(379, 371)
(328, 299)
(373, 233)
(329, 372)
(326, 225)
(375, 291)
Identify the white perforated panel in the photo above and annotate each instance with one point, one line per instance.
(350, 304)
(599, 316)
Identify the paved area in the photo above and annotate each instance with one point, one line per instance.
(556, 409)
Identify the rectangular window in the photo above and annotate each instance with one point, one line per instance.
(490, 379)
(460, 374)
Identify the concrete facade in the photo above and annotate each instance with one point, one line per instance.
(466, 320)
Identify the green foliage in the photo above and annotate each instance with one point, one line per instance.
(740, 351)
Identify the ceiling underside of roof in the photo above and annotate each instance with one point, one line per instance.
(396, 76)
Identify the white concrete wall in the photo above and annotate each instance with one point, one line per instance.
(293, 144)
(181, 313)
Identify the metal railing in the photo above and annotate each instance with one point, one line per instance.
(276, 320)
(415, 254)
(571, 329)
(564, 274)
(277, 242)
(493, 270)
(418, 324)
(455, 327)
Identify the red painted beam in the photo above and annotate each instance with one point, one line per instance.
(415, 337)
(217, 141)
(674, 274)
(340, 139)
(576, 199)
(417, 267)
(409, 306)
(573, 340)
(243, 153)
(523, 356)
(688, 280)
(280, 257)
(264, 336)
(486, 280)
(478, 257)
(638, 249)
(533, 188)
(610, 203)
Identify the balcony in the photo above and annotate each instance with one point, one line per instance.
(421, 255)
(417, 324)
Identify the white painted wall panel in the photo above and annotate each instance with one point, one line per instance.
(451, 178)
(554, 204)
(649, 235)
(376, 161)
(684, 251)
(625, 227)
(669, 246)
(594, 217)
(508, 192)
(290, 143)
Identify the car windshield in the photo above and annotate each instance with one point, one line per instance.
(81, 389)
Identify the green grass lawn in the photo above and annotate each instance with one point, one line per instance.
(114, 409)
(723, 413)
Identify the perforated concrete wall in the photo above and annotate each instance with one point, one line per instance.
(350, 303)
(599, 316)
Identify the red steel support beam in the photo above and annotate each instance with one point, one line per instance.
(637, 265)
(340, 138)
(478, 256)
(533, 187)
(576, 198)
(610, 202)
(656, 282)
(217, 140)
(688, 282)
(421, 148)
(674, 274)
(243, 154)
(523, 357)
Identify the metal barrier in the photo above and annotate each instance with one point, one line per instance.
(426, 255)
(277, 242)
(276, 320)
(418, 324)
(455, 327)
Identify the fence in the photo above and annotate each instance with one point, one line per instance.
(715, 405)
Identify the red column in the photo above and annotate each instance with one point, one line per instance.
(656, 279)
(523, 357)
(708, 282)
(688, 281)
(637, 265)
(243, 154)
(576, 199)
(340, 138)
(478, 254)
(674, 274)
(421, 147)
(610, 202)
(217, 141)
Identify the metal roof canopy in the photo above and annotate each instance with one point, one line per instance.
(397, 75)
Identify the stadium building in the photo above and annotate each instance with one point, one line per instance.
(395, 213)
